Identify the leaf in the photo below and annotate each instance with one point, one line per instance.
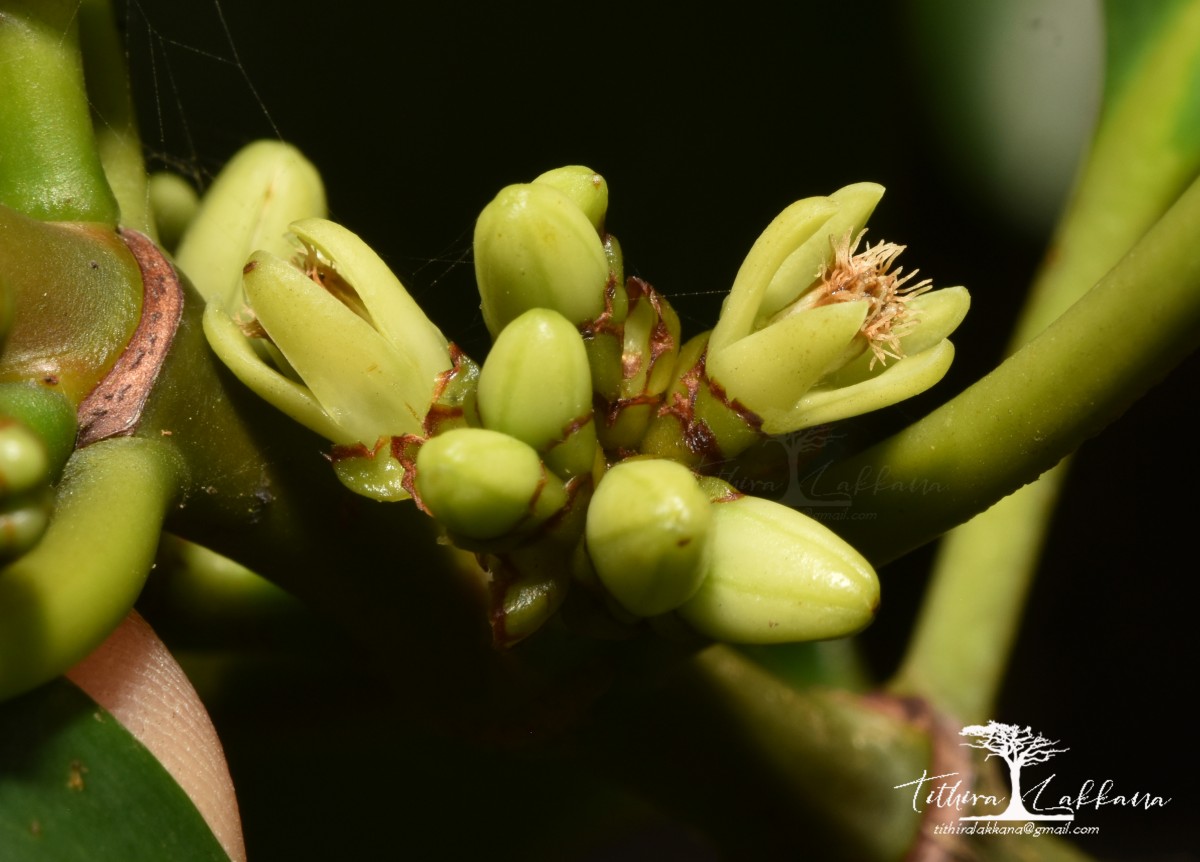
(76, 785)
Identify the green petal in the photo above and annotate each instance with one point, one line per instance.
(771, 370)
(393, 311)
(790, 229)
(234, 349)
(937, 314)
(854, 203)
(361, 381)
(898, 381)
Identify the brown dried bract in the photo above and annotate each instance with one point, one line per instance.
(114, 407)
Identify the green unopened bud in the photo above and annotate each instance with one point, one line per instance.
(810, 315)
(536, 385)
(535, 248)
(483, 485)
(367, 358)
(778, 576)
(585, 187)
(648, 530)
(265, 187)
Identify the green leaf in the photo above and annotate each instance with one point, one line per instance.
(75, 785)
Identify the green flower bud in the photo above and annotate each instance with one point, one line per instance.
(483, 485)
(265, 187)
(778, 576)
(536, 385)
(648, 529)
(347, 352)
(535, 248)
(808, 314)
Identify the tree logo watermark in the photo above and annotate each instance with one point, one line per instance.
(1017, 747)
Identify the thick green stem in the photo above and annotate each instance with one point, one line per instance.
(1145, 152)
(1063, 387)
(59, 601)
(50, 168)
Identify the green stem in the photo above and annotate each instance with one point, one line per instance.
(1080, 374)
(971, 613)
(59, 601)
(50, 168)
(1142, 158)
(117, 138)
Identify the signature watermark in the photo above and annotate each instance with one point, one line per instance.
(790, 469)
(1043, 808)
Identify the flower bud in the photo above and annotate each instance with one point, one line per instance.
(265, 187)
(648, 529)
(536, 385)
(535, 248)
(483, 485)
(778, 576)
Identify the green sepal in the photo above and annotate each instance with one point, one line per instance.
(374, 473)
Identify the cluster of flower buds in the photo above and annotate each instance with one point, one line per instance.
(572, 461)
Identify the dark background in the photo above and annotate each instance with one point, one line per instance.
(705, 126)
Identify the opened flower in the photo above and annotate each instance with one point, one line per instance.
(333, 340)
(815, 330)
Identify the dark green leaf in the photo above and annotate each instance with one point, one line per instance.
(75, 785)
